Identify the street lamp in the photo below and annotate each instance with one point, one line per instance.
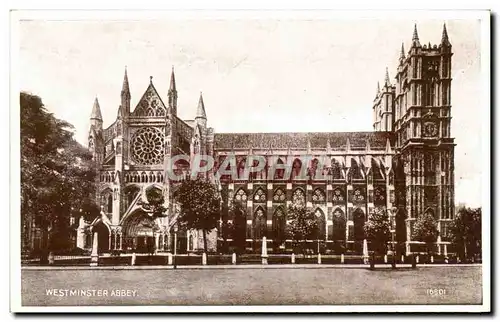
(393, 231)
(176, 228)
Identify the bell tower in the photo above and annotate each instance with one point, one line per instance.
(422, 126)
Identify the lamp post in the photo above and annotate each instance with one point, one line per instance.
(393, 231)
(175, 245)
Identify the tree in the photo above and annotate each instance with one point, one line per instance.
(465, 231)
(200, 206)
(377, 230)
(57, 176)
(425, 230)
(303, 225)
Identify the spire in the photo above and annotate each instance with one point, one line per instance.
(414, 41)
(328, 146)
(368, 147)
(378, 87)
(444, 38)
(125, 86)
(308, 146)
(348, 145)
(172, 81)
(387, 79)
(120, 112)
(96, 111)
(402, 55)
(200, 113)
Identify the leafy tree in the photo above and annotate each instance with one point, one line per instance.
(200, 206)
(57, 175)
(377, 230)
(465, 231)
(303, 225)
(425, 230)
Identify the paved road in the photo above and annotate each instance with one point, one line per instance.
(256, 286)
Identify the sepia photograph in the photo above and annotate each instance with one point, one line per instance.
(274, 161)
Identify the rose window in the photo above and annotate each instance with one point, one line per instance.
(279, 196)
(148, 146)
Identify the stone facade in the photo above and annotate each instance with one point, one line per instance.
(405, 165)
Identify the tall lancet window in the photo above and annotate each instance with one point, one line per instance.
(432, 74)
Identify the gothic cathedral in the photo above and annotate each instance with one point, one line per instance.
(404, 166)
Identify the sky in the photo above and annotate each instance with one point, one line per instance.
(256, 75)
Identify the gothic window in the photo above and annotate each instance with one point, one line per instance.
(241, 196)
(358, 195)
(296, 166)
(260, 223)
(321, 222)
(279, 224)
(148, 146)
(336, 171)
(376, 170)
(299, 198)
(279, 173)
(318, 196)
(241, 168)
(279, 195)
(356, 173)
(338, 195)
(380, 197)
(259, 196)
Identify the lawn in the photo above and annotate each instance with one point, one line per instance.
(325, 286)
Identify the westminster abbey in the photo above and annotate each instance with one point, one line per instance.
(405, 165)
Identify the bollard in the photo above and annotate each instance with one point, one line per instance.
(264, 251)
(204, 259)
(293, 258)
(51, 258)
(372, 261)
(341, 258)
(132, 262)
(94, 257)
(385, 258)
(233, 259)
(432, 259)
(402, 259)
(418, 259)
(413, 261)
(169, 256)
(446, 260)
(319, 258)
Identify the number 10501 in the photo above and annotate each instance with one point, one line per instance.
(436, 291)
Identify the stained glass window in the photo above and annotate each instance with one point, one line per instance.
(148, 146)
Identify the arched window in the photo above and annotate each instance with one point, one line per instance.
(240, 196)
(241, 168)
(355, 172)
(259, 196)
(338, 231)
(279, 225)
(299, 198)
(260, 223)
(109, 204)
(279, 174)
(279, 195)
(296, 166)
(318, 196)
(321, 222)
(336, 170)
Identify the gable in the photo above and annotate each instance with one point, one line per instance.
(150, 104)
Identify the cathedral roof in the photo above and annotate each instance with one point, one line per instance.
(316, 140)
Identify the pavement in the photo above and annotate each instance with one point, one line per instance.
(240, 266)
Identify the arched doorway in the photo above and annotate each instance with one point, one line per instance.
(102, 236)
(139, 231)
